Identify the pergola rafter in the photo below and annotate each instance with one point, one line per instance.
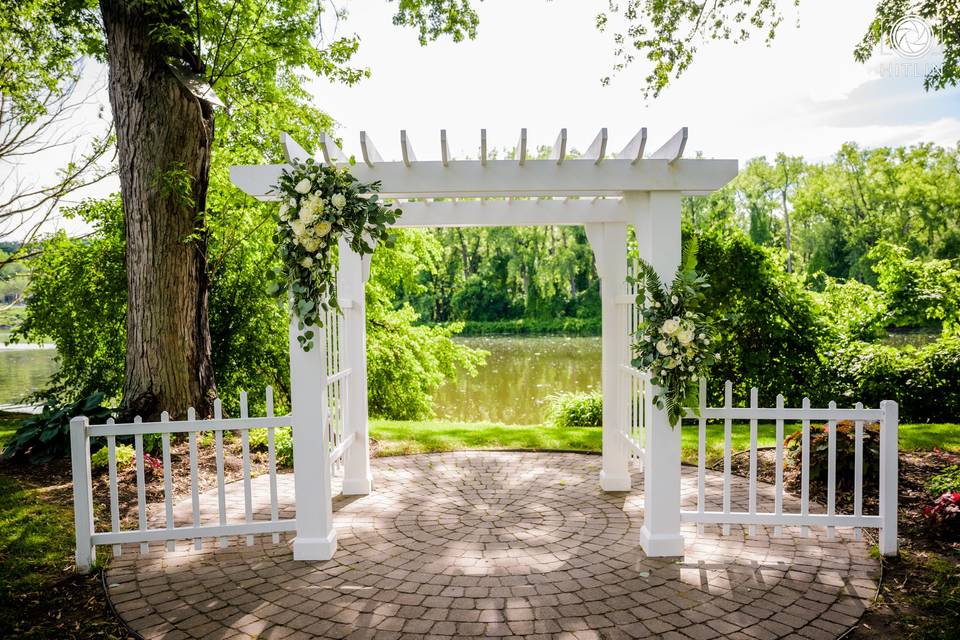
(604, 192)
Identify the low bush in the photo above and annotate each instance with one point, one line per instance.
(575, 409)
(846, 443)
(533, 327)
(944, 513)
(282, 442)
(925, 382)
(46, 436)
(125, 457)
(947, 481)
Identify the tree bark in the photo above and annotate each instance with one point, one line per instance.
(164, 138)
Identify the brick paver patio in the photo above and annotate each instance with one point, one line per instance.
(496, 544)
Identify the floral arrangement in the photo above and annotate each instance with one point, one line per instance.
(320, 204)
(673, 340)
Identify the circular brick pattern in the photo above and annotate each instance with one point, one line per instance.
(498, 544)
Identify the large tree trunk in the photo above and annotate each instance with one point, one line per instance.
(164, 136)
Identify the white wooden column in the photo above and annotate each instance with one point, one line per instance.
(316, 538)
(352, 278)
(609, 243)
(658, 237)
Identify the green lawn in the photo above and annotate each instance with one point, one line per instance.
(397, 438)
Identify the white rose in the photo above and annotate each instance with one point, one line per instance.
(663, 348)
(323, 228)
(338, 200)
(311, 244)
(670, 327)
(674, 299)
(307, 262)
(298, 227)
(303, 186)
(685, 337)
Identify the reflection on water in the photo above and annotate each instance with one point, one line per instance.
(23, 371)
(520, 373)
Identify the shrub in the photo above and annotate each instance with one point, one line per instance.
(282, 442)
(947, 481)
(46, 436)
(575, 409)
(846, 443)
(944, 513)
(125, 457)
(925, 382)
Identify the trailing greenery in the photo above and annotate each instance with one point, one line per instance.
(46, 436)
(575, 409)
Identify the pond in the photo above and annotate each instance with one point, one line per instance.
(519, 375)
(24, 369)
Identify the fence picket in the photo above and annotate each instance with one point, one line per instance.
(194, 478)
(272, 464)
(221, 485)
(754, 403)
(141, 488)
(245, 453)
(805, 470)
(114, 498)
(831, 468)
(778, 498)
(701, 450)
(167, 481)
(727, 446)
(858, 471)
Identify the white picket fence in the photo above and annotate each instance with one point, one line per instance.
(885, 520)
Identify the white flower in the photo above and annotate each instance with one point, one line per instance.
(307, 262)
(716, 356)
(284, 208)
(298, 227)
(656, 305)
(338, 200)
(293, 202)
(690, 369)
(303, 186)
(670, 327)
(322, 229)
(706, 341)
(674, 299)
(702, 336)
(670, 364)
(663, 348)
(311, 244)
(685, 337)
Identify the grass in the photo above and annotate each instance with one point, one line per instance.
(399, 438)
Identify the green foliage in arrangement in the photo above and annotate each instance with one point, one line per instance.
(575, 409)
(46, 436)
(321, 205)
(846, 445)
(101, 460)
(282, 443)
(947, 481)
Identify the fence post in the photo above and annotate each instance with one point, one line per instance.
(889, 472)
(316, 538)
(82, 493)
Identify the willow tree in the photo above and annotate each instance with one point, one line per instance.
(172, 65)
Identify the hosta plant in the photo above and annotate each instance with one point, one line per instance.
(319, 205)
(674, 339)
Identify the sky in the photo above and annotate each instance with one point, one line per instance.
(538, 64)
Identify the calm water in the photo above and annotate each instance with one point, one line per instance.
(23, 371)
(520, 373)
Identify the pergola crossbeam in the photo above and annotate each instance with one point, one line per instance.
(522, 147)
(597, 150)
(559, 150)
(634, 149)
(672, 149)
(369, 152)
(511, 212)
(332, 154)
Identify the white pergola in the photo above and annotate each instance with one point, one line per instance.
(603, 191)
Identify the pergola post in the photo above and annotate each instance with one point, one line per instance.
(352, 278)
(658, 237)
(609, 244)
(316, 538)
